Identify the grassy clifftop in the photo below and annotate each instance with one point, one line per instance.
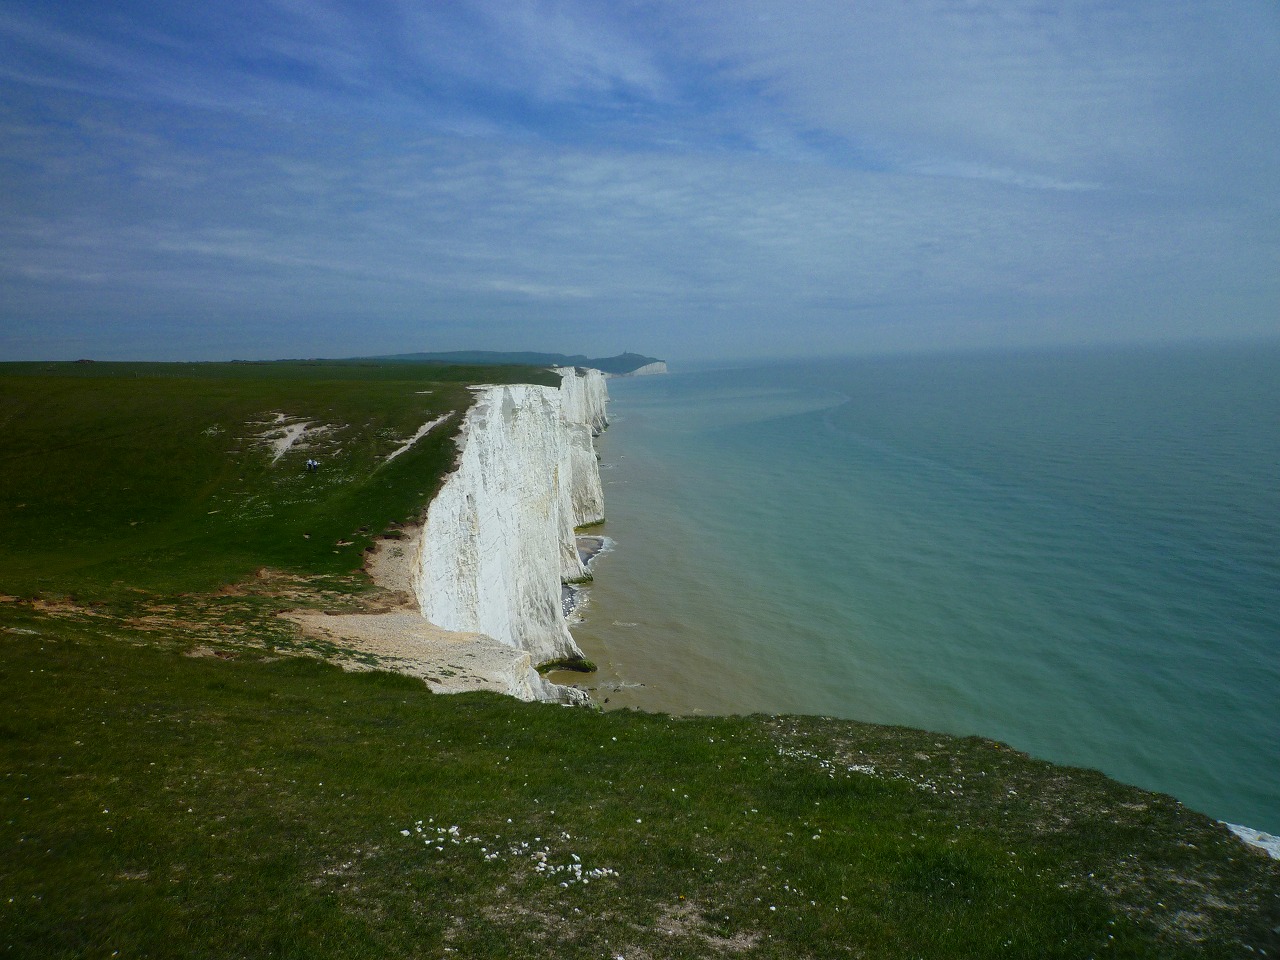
(166, 476)
(175, 781)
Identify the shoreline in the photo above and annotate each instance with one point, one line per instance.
(591, 546)
(576, 595)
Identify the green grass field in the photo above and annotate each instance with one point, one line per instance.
(174, 783)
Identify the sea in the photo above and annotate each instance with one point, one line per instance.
(1075, 552)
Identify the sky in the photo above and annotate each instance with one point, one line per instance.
(259, 179)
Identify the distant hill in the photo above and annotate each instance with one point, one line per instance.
(623, 363)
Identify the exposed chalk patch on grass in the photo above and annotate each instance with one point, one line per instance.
(283, 432)
(421, 432)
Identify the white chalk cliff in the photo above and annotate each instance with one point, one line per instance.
(649, 369)
(498, 539)
(583, 396)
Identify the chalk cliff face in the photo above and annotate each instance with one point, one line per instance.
(583, 398)
(499, 536)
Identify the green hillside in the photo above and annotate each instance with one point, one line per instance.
(182, 775)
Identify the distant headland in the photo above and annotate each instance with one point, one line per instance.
(623, 365)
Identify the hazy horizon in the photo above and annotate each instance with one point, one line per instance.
(683, 364)
(728, 180)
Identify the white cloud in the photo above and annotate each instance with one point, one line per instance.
(1071, 92)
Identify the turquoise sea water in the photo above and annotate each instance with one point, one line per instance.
(1077, 553)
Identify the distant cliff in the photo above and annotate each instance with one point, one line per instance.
(657, 366)
(621, 365)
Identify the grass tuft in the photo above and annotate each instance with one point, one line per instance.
(575, 664)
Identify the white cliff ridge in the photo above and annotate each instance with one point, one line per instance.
(498, 539)
(583, 396)
(648, 370)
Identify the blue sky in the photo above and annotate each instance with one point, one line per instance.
(692, 180)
